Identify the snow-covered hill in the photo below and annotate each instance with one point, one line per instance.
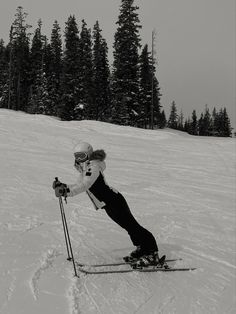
(182, 188)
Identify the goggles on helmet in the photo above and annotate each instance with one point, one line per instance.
(80, 157)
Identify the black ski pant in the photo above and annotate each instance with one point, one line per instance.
(118, 210)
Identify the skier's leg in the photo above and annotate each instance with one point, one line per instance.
(120, 213)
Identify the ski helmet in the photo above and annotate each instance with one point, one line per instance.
(83, 151)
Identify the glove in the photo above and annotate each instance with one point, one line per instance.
(60, 188)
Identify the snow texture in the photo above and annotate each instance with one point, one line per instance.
(180, 187)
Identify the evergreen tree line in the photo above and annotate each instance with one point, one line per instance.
(72, 79)
(215, 124)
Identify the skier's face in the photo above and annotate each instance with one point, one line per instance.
(80, 157)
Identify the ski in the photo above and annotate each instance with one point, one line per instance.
(141, 270)
(118, 263)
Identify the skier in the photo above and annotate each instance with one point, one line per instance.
(91, 165)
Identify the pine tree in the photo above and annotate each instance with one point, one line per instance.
(70, 108)
(39, 97)
(56, 50)
(201, 127)
(227, 124)
(180, 123)
(194, 124)
(47, 57)
(206, 124)
(36, 61)
(173, 118)
(3, 75)
(163, 121)
(214, 122)
(54, 71)
(125, 65)
(149, 92)
(156, 103)
(224, 128)
(36, 54)
(86, 96)
(145, 90)
(19, 76)
(185, 125)
(101, 76)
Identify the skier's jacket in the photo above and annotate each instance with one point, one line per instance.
(91, 180)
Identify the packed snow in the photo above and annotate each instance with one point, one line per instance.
(180, 187)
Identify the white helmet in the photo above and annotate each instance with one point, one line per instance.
(83, 151)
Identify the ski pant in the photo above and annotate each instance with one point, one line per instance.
(118, 210)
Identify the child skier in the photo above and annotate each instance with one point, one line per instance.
(91, 165)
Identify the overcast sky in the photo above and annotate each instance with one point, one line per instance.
(195, 43)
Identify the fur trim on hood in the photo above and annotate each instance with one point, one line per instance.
(98, 154)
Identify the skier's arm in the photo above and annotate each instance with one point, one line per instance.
(86, 181)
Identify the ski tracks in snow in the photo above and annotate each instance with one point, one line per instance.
(9, 291)
(45, 263)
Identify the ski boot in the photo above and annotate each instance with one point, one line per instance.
(151, 259)
(134, 255)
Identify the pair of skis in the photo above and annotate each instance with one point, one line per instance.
(97, 268)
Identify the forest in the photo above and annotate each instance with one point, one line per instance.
(69, 76)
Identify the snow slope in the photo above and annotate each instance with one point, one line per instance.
(182, 188)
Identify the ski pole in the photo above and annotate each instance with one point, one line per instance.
(67, 234)
(64, 228)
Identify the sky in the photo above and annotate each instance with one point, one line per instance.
(194, 43)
